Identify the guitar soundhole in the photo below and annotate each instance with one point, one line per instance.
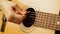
(29, 20)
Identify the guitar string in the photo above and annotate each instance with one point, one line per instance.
(47, 19)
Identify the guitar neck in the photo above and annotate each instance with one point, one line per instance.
(47, 20)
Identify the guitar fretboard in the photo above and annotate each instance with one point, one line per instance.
(47, 20)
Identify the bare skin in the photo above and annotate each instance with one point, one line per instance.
(13, 12)
(18, 16)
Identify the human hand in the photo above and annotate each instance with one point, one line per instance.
(13, 12)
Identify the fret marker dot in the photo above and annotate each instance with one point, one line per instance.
(58, 23)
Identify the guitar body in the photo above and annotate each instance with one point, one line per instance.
(47, 6)
(12, 28)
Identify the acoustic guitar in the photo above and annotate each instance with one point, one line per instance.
(37, 22)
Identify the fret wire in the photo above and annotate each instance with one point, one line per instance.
(44, 19)
(58, 25)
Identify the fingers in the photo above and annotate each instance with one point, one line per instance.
(16, 18)
(16, 7)
(13, 12)
(19, 15)
(18, 10)
(23, 12)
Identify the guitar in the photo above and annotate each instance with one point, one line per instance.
(46, 23)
